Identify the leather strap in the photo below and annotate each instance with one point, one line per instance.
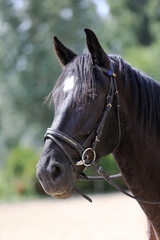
(65, 138)
(62, 148)
(107, 178)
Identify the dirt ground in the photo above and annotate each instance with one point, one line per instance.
(110, 216)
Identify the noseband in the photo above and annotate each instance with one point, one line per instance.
(88, 154)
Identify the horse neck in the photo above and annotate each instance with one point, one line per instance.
(128, 116)
(130, 127)
(138, 143)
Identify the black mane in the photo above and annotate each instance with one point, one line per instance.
(146, 94)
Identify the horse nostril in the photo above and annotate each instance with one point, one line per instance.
(55, 173)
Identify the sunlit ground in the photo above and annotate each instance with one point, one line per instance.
(110, 216)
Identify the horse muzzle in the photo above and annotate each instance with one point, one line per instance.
(55, 179)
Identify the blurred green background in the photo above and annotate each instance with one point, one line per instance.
(29, 69)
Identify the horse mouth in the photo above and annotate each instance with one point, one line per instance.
(66, 194)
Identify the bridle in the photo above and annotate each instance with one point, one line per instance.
(86, 152)
(96, 133)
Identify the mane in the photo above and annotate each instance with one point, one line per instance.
(145, 94)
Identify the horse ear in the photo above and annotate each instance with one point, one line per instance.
(64, 54)
(98, 54)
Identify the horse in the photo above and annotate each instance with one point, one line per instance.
(102, 105)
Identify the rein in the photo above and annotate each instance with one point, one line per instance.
(86, 152)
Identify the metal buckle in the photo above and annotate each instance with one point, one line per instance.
(84, 157)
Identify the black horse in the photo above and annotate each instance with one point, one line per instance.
(102, 106)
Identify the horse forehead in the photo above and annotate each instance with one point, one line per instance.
(69, 83)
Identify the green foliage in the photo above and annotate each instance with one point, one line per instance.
(18, 176)
(136, 22)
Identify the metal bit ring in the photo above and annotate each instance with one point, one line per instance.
(84, 155)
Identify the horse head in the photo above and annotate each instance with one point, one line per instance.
(84, 93)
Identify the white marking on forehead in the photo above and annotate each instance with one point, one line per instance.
(69, 83)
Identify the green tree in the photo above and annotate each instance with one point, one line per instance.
(136, 21)
(18, 176)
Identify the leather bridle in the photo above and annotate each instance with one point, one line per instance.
(86, 152)
(83, 150)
